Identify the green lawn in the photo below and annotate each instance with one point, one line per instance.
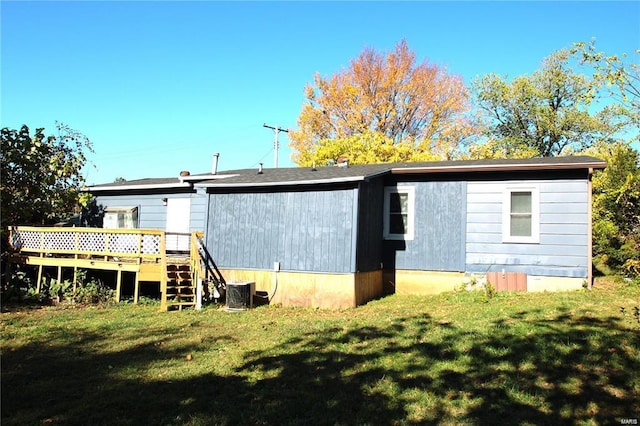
(457, 358)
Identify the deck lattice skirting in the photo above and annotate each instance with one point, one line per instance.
(141, 251)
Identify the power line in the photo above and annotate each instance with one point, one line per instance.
(262, 158)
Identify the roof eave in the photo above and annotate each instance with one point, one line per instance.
(499, 167)
(136, 187)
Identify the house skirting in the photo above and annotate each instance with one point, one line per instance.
(542, 283)
(539, 283)
(314, 290)
(423, 282)
(339, 291)
(434, 282)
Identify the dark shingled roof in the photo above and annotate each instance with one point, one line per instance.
(297, 175)
(353, 173)
(576, 161)
(333, 174)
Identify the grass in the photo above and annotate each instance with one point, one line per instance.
(456, 358)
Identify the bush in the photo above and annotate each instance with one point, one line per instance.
(616, 207)
(20, 287)
(92, 292)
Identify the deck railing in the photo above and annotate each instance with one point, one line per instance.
(139, 243)
(178, 241)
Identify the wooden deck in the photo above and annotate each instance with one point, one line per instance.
(141, 251)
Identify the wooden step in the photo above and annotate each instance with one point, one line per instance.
(182, 288)
(185, 291)
(174, 298)
(182, 293)
(179, 305)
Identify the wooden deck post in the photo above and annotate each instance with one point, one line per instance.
(118, 285)
(75, 279)
(163, 272)
(199, 293)
(39, 283)
(59, 274)
(136, 289)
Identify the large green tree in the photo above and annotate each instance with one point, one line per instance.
(616, 208)
(40, 176)
(544, 114)
(389, 94)
(616, 79)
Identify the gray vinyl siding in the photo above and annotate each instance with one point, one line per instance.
(310, 231)
(198, 211)
(439, 229)
(152, 213)
(562, 250)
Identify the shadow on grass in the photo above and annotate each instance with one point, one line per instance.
(412, 370)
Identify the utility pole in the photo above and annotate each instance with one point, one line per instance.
(276, 144)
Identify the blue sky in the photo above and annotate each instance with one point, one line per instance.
(160, 86)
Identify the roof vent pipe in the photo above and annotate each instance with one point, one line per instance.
(260, 169)
(214, 166)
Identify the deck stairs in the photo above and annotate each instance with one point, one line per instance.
(181, 285)
(183, 274)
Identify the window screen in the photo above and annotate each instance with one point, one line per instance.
(521, 214)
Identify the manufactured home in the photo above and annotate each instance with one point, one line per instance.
(337, 237)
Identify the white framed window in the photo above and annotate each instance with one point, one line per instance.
(521, 214)
(399, 205)
(120, 218)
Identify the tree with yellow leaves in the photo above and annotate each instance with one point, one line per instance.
(366, 148)
(413, 105)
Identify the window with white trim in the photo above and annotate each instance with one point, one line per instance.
(120, 218)
(399, 212)
(521, 215)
